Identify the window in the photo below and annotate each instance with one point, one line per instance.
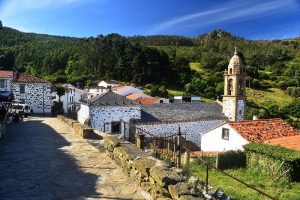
(22, 88)
(2, 83)
(115, 127)
(230, 87)
(225, 133)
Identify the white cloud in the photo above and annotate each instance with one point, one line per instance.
(14, 7)
(236, 11)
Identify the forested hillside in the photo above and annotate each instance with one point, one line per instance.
(191, 65)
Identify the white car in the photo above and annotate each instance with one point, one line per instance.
(21, 108)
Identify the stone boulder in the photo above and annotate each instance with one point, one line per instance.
(111, 142)
(143, 165)
(164, 176)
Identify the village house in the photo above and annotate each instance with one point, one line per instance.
(233, 135)
(72, 97)
(95, 91)
(107, 111)
(34, 91)
(107, 84)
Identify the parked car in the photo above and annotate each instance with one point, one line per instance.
(20, 108)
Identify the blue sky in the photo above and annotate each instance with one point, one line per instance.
(252, 19)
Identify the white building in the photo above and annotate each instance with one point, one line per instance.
(95, 91)
(107, 84)
(71, 99)
(105, 112)
(34, 91)
(233, 135)
(6, 78)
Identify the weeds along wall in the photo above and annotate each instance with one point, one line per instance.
(276, 161)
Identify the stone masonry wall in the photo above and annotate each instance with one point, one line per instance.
(193, 130)
(153, 175)
(36, 96)
(106, 114)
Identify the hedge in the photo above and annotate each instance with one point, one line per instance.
(231, 160)
(278, 162)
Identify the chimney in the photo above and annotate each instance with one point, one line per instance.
(255, 117)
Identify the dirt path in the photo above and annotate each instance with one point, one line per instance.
(41, 158)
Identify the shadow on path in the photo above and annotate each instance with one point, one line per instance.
(33, 165)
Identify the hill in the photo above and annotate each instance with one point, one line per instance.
(189, 65)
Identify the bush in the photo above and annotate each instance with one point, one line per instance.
(57, 108)
(276, 161)
(231, 160)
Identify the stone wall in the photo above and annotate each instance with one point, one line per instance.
(37, 96)
(106, 114)
(153, 175)
(82, 130)
(192, 129)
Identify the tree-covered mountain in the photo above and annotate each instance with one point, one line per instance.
(193, 65)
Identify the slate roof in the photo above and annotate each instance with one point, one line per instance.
(6, 74)
(290, 142)
(110, 99)
(263, 129)
(181, 112)
(25, 78)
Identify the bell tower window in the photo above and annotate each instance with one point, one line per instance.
(241, 89)
(230, 87)
(230, 71)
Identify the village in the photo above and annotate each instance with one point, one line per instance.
(180, 128)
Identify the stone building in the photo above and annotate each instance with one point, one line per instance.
(34, 91)
(105, 112)
(234, 98)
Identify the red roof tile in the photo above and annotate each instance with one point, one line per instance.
(263, 130)
(148, 100)
(290, 142)
(134, 96)
(6, 74)
(25, 78)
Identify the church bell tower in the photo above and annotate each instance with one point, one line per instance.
(234, 98)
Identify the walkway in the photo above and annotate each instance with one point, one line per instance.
(41, 158)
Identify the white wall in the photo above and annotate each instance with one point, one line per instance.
(7, 84)
(105, 84)
(107, 114)
(37, 95)
(212, 140)
(83, 113)
(193, 130)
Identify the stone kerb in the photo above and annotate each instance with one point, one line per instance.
(82, 130)
(153, 175)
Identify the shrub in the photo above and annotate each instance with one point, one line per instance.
(231, 160)
(278, 162)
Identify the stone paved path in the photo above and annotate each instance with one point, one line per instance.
(41, 158)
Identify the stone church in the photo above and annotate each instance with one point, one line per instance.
(114, 114)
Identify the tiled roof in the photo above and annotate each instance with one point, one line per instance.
(263, 130)
(119, 87)
(148, 100)
(134, 96)
(25, 78)
(110, 99)
(181, 112)
(6, 74)
(290, 142)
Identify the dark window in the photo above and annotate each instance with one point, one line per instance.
(22, 89)
(225, 133)
(230, 87)
(115, 127)
(230, 71)
(161, 101)
(2, 83)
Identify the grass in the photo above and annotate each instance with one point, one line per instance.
(279, 190)
(271, 95)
